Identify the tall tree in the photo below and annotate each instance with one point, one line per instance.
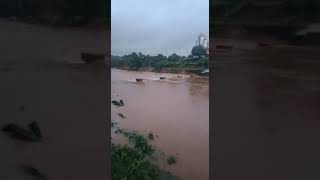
(199, 51)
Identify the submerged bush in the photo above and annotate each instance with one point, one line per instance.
(171, 160)
(133, 163)
(128, 163)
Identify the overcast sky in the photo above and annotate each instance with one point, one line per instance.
(157, 26)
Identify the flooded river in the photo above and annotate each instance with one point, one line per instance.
(176, 109)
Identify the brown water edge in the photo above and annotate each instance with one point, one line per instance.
(185, 71)
(176, 109)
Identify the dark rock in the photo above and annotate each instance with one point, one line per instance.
(34, 127)
(121, 115)
(10, 127)
(121, 102)
(139, 79)
(90, 57)
(34, 172)
(116, 103)
(20, 133)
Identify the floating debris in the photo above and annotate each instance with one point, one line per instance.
(20, 133)
(116, 103)
(162, 78)
(151, 136)
(90, 57)
(121, 102)
(34, 172)
(179, 76)
(139, 79)
(34, 127)
(171, 160)
(121, 115)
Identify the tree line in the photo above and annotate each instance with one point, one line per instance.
(197, 59)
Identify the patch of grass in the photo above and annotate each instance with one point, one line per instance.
(133, 163)
(136, 162)
(140, 142)
(130, 164)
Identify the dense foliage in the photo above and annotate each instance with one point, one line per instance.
(197, 60)
(134, 162)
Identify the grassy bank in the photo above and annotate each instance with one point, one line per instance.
(137, 160)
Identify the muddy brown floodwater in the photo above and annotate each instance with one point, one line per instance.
(176, 109)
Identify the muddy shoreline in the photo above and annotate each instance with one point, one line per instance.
(173, 71)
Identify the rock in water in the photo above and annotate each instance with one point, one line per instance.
(121, 115)
(139, 79)
(34, 127)
(20, 133)
(91, 57)
(34, 172)
(121, 102)
(116, 103)
(10, 127)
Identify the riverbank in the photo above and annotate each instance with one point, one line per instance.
(194, 72)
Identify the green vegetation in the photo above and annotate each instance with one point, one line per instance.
(140, 142)
(135, 61)
(151, 136)
(129, 163)
(135, 162)
(171, 160)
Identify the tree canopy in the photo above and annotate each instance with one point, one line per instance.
(199, 51)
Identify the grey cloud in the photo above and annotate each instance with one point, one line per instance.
(153, 27)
